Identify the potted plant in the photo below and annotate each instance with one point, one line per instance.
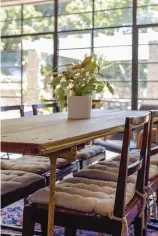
(78, 83)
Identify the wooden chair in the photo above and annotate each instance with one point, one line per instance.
(152, 184)
(78, 212)
(54, 105)
(114, 142)
(14, 108)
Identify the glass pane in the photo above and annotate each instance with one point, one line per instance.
(116, 104)
(148, 45)
(37, 68)
(148, 71)
(146, 2)
(147, 15)
(11, 44)
(111, 4)
(122, 90)
(10, 13)
(74, 40)
(11, 71)
(76, 21)
(117, 71)
(10, 101)
(11, 27)
(115, 53)
(113, 37)
(11, 58)
(66, 57)
(10, 92)
(74, 6)
(111, 18)
(38, 10)
(36, 25)
(148, 90)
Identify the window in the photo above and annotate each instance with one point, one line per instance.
(31, 33)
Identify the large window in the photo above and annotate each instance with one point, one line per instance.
(39, 37)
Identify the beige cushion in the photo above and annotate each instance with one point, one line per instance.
(34, 164)
(134, 156)
(108, 171)
(90, 151)
(12, 180)
(86, 195)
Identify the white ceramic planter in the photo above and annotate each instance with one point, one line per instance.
(79, 107)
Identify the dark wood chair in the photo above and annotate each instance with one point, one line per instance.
(114, 142)
(122, 214)
(14, 108)
(152, 184)
(54, 105)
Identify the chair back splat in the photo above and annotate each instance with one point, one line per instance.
(14, 108)
(54, 105)
(126, 170)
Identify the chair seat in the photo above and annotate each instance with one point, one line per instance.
(108, 171)
(40, 165)
(33, 164)
(14, 182)
(90, 151)
(113, 145)
(84, 195)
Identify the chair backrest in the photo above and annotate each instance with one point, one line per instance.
(148, 107)
(54, 105)
(14, 108)
(152, 150)
(139, 166)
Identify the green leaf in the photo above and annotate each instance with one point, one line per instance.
(111, 90)
(56, 80)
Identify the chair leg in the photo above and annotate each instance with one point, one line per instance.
(118, 230)
(70, 231)
(44, 229)
(28, 222)
(138, 227)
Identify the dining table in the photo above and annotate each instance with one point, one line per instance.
(57, 136)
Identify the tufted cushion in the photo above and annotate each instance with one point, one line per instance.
(113, 145)
(90, 151)
(135, 154)
(34, 164)
(12, 180)
(108, 171)
(86, 195)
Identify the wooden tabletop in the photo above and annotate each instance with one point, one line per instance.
(42, 135)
